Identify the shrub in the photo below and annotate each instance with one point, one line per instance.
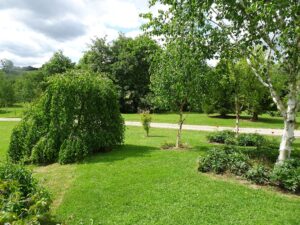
(258, 175)
(267, 152)
(287, 175)
(77, 103)
(238, 163)
(230, 141)
(251, 140)
(221, 136)
(146, 120)
(23, 201)
(227, 159)
(72, 150)
(215, 161)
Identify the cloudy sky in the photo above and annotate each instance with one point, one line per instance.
(31, 30)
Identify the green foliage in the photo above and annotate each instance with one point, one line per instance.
(146, 120)
(127, 62)
(77, 115)
(238, 163)
(7, 92)
(258, 174)
(287, 175)
(59, 63)
(230, 141)
(221, 136)
(73, 149)
(22, 200)
(178, 78)
(251, 140)
(266, 153)
(29, 86)
(220, 160)
(215, 161)
(228, 137)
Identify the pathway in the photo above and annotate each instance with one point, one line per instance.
(264, 131)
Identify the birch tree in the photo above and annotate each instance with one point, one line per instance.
(274, 26)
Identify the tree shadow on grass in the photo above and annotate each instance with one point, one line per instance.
(201, 149)
(3, 111)
(248, 118)
(120, 153)
(156, 136)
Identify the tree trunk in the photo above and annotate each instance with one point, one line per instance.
(254, 116)
(178, 139)
(288, 131)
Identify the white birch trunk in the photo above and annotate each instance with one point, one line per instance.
(288, 113)
(288, 131)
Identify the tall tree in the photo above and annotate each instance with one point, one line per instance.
(178, 80)
(273, 25)
(7, 94)
(58, 63)
(7, 66)
(126, 61)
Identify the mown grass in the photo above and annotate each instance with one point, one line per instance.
(140, 184)
(5, 131)
(13, 111)
(265, 120)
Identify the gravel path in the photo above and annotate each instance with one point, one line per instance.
(264, 131)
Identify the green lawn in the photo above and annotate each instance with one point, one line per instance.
(140, 184)
(12, 112)
(265, 121)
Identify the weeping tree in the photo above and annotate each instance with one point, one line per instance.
(251, 26)
(178, 80)
(77, 115)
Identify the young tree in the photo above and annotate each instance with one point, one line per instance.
(273, 25)
(178, 80)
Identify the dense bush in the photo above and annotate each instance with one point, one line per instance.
(221, 136)
(267, 153)
(22, 200)
(287, 175)
(258, 175)
(215, 161)
(232, 159)
(228, 137)
(78, 114)
(220, 160)
(238, 163)
(251, 140)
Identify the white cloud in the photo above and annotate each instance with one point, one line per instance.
(33, 29)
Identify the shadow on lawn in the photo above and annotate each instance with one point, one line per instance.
(274, 120)
(121, 153)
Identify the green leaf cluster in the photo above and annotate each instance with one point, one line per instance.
(78, 114)
(22, 200)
